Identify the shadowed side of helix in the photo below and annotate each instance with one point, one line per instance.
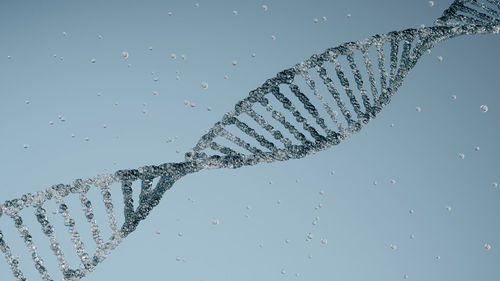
(305, 109)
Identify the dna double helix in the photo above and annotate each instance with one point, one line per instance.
(305, 109)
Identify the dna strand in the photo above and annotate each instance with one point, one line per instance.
(348, 110)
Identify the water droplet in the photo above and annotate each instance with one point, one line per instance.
(235, 13)
(309, 256)
(93, 60)
(204, 85)
(323, 18)
(169, 14)
(183, 57)
(375, 183)
(393, 247)
(315, 20)
(104, 126)
(418, 109)
(155, 93)
(461, 155)
(27, 101)
(287, 241)
(179, 258)
(440, 58)
(483, 108)
(234, 62)
(156, 79)
(324, 241)
(283, 271)
(226, 77)
(487, 247)
(412, 211)
(249, 207)
(494, 184)
(278, 202)
(73, 135)
(477, 148)
(264, 7)
(273, 37)
(125, 55)
(453, 97)
(405, 276)
(253, 55)
(173, 56)
(431, 3)
(180, 234)
(9, 57)
(99, 37)
(438, 257)
(412, 236)
(448, 208)
(26, 146)
(99, 94)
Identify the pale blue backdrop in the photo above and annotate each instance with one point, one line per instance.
(46, 75)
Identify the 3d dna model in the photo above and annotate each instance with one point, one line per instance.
(330, 108)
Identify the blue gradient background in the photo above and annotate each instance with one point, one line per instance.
(359, 219)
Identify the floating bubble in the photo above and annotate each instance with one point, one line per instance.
(158, 232)
(125, 55)
(315, 20)
(453, 97)
(215, 221)
(183, 57)
(405, 276)
(448, 208)
(412, 236)
(51, 122)
(438, 257)
(26, 146)
(65, 33)
(235, 13)
(9, 57)
(477, 148)
(412, 211)
(283, 271)
(156, 79)
(487, 247)
(393, 246)
(197, 5)
(431, 3)
(461, 155)
(324, 241)
(169, 14)
(323, 18)
(173, 56)
(99, 37)
(483, 108)
(494, 184)
(226, 77)
(392, 181)
(264, 7)
(93, 60)
(253, 55)
(287, 241)
(180, 234)
(204, 85)
(309, 236)
(150, 48)
(87, 139)
(322, 192)
(234, 62)
(273, 37)
(348, 15)
(418, 109)
(209, 108)
(440, 58)
(27, 101)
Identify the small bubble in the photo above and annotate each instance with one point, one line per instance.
(73, 135)
(283, 271)
(104, 126)
(429, 51)
(169, 14)
(155, 93)
(405, 276)
(324, 241)
(177, 78)
(412, 211)
(287, 241)
(278, 202)
(494, 184)
(253, 55)
(156, 79)
(234, 62)
(393, 181)
(412, 236)
(183, 57)
(180, 234)
(323, 18)
(93, 60)
(197, 5)
(375, 183)
(487, 247)
(438, 257)
(26, 146)
(483, 108)
(273, 37)
(179, 258)
(51, 122)
(9, 57)
(235, 13)
(453, 97)
(431, 3)
(226, 77)
(215, 221)
(461, 155)
(173, 56)
(27, 101)
(87, 139)
(309, 256)
(315, 20)
(322, 192)
(204, 85)
(150, 48)
(264, 7)
(477, 148)
(99, 94)
(448, 208)
(393, 246)
(440, 58)
(158, 232)
(418, 109)
(392, 125)
(125, 55)
(99, 37)
(348, 15)
(209, 108)
(249, 207)
(64, 34)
